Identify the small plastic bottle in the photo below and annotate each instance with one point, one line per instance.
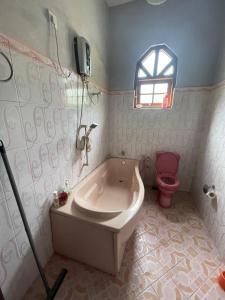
(55, 200)
(67, 188)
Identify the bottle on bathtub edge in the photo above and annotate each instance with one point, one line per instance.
(55, 200)
(64, 193)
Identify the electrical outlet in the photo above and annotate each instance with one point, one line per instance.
(52, 18)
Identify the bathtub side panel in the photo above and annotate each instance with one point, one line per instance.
(122, 237)
(83, 242)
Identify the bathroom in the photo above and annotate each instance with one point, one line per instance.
(78, 118)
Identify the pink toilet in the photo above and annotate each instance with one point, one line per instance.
(167, 164)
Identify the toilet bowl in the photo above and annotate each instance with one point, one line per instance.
(167, 164)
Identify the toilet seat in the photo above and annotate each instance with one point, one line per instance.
(167, 181)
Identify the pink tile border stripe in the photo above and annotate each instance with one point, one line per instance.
(19, 47)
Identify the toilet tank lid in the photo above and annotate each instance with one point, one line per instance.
(167, 162)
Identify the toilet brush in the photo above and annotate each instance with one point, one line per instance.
(50, 291)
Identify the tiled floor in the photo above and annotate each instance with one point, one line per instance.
(170, 256)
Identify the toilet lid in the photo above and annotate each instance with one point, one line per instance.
(167, 163)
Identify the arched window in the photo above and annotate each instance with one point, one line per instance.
(155, 78)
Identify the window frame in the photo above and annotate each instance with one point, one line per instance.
(156, 78)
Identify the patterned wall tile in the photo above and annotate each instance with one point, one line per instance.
(39, 116)
(143, 132)
(211, 168)
(11, 129)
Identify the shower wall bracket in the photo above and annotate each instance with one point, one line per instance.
(80, 142)
(83, 143)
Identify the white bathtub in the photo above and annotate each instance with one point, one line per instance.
(112, 188)
(100, 215)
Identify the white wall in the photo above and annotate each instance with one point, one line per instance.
(144, 131)
(39, 113)
(211, 168)
(27, 21)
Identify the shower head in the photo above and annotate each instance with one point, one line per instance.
(92, 126)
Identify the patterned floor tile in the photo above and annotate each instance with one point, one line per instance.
(210, 290)
(144, 226)
(133, 278)
(148, 294)
(166, 289)
(188, 276)
(152, 267)
(169, 256)
(136, 248)
(181, 242)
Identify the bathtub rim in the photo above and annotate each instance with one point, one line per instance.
(92, 211)
(116, 223)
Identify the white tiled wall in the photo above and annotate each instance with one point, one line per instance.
(143, 132)
(211, 168)
(39, 113)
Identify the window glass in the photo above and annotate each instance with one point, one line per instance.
(163, 60)
(149, 62)
(154, 86)
(161, 88)
(141, 74)
(146, 99)
(158, 98)
(146, 88)
(169, 71)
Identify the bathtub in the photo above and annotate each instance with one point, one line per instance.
(100, 215)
